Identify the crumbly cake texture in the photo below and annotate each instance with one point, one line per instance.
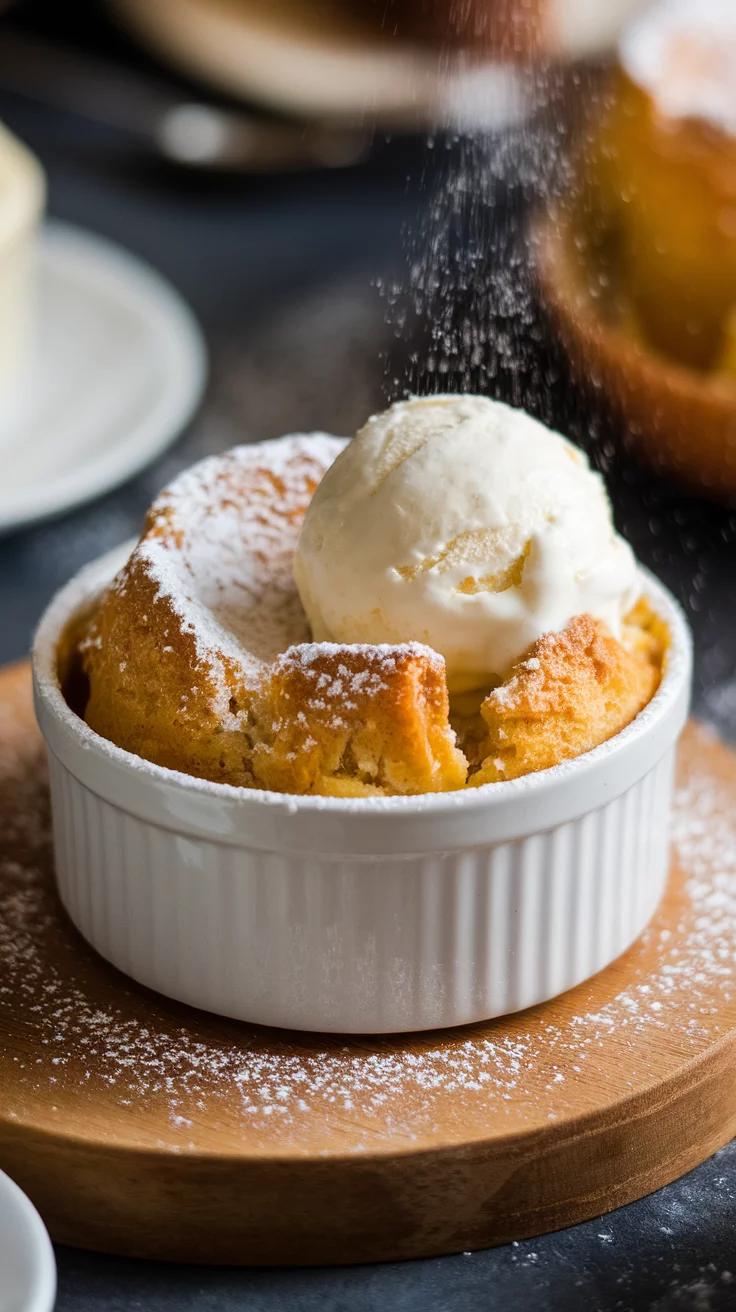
(198, 658)
(179, 646)
(352, 720)
(576, 689)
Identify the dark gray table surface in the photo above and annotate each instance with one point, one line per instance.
(289, 279)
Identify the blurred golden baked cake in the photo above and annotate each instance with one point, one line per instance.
(198, 658)
(638, 266)
(667, 166)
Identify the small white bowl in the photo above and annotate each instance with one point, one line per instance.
(117, 364)
(27, 1266)
(360, 915)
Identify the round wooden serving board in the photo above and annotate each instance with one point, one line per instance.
(141, 1127)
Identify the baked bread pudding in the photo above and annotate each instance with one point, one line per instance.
(441, 602)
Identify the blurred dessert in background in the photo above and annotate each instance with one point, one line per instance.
(638, 265)
(22, 195)
(668, 168)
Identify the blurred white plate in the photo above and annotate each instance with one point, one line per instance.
(117, 368)
(27, 1267)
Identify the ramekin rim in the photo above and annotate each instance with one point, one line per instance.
(79, 590)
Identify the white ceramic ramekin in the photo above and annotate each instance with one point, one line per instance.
(360, 915)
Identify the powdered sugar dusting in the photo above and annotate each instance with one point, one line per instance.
(342, 684)
(340, 677)
(91, 1035)
(223, 546)
(382, 653)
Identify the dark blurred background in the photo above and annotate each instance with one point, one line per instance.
(323, 293)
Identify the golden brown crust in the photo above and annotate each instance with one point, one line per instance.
(183, 661)
(156, 687)
(347, 721)
(573, 691)
(150, 692)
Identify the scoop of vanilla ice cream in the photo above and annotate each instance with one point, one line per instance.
(464, 524)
